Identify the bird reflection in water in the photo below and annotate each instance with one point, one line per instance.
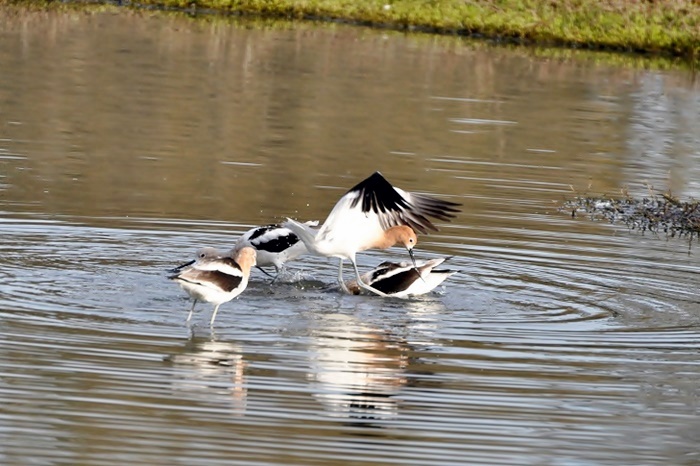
(209, 367)
(357, 370)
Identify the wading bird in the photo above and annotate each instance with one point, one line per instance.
(403, 279)
(373, 214)
(215, 279)
(275, 246)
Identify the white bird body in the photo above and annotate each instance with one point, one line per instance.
(347, 230)
(275, 245)
(215, 279)
(401, 280)
(373, 214)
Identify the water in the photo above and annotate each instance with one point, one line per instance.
(128, 140)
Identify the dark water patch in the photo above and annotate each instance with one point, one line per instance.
(663, 214)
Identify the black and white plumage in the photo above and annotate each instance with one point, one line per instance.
(393, 206)
(275, 245)
(214, 278)
(372, 214)
(403, 279)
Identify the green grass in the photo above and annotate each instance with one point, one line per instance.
(667, 27)
(670, 26)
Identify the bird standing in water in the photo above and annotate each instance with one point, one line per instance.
(215, 279)
(372, 214)
(275, 245)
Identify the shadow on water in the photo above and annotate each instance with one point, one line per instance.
(129, 141)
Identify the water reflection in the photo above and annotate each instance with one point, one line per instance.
(127, 140)
(210, 370)
(357, 370)
(663, 159)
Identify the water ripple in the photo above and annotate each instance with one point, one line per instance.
(559, 341)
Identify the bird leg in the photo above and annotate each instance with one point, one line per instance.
(364, 285)
(192, 310)
(216, 309)
(277, 275)
(342, 284)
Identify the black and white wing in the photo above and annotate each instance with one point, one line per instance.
(394, 206)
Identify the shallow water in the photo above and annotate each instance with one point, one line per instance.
(129, 140)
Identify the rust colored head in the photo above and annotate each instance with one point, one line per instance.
(400, 234)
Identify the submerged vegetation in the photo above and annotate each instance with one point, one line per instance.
(662, 213)
(668, 27)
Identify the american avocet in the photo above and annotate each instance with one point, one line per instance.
(274, 244)
(203, 255)
(404, 279)
(216, 279)
(373, 214)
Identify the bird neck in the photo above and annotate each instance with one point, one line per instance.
(389, 239)
(245, 263)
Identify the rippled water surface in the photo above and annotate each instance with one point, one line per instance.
(129, 140)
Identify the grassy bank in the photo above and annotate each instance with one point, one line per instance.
(654, 26)
(669, 27)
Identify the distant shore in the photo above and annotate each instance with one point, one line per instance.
(661, 27)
